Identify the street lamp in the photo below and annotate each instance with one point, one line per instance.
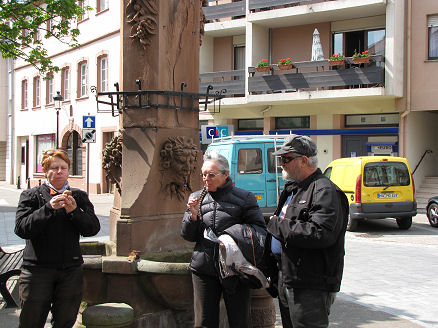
(58, 102)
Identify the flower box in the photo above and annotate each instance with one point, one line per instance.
(263, 68)
(287, 66)
(337, 62)
(361, 60)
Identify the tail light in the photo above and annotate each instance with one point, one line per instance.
(413, 188)
(358, 193)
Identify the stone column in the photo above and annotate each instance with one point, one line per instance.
(161, 157)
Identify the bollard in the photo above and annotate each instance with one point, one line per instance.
(18, 182)
(28, 183)
(39, 182)
(109, 315)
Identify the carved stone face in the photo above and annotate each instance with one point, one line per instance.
(178, 163)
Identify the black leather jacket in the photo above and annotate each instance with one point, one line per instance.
(52, 236)
(219, 210)
(312, 233)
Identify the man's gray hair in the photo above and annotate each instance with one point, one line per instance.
(219, 159)
(313, 161)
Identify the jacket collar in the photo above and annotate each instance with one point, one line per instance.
(226, 187)
(291, 185)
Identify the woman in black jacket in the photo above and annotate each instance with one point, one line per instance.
(51, 217)
(209, 213)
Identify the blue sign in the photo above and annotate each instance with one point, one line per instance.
(88, 122)
(216, 131)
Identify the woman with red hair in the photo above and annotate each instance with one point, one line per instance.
(51, 218)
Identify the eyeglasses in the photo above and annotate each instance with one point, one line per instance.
(210, 175)
(287, 159)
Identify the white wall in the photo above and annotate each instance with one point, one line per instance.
(324, 143)
(422, 134)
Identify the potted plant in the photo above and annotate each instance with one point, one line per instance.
(263, 66)
(337, 60)
(361, 57)
(285, 63)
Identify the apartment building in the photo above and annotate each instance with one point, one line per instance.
(40, 122)
(386, 106)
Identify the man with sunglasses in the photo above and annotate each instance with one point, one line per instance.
(308, 232)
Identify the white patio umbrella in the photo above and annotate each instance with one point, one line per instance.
(316, 47)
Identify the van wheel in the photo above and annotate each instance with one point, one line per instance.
(405, 222)
(352, 224)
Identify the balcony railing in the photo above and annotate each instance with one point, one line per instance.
(234, 10)
(306, 75)
(237, 9)
(231, 81)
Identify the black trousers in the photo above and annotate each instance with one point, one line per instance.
(43, 290)
(303, 308)
(207, 292)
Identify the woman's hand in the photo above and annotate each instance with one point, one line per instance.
(193, 205)
(63, 201)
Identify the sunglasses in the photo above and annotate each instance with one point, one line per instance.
(52, 151)
(287, 159)
(210, 175)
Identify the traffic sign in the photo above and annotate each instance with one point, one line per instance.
(88, 135)
(88, 122)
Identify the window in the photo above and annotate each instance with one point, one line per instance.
(250, 161)
(101, 5)
(271, 162)
(43, 142)
(49, 91)
(379, 174)
(239, 59)
(65, 83)
(36, 91)
(432, 24)
(250, 124)
(102, 73)
(293, 122)
(347, 43)
(83, 4)
(24, 94)
(82, 79)
(74, 151)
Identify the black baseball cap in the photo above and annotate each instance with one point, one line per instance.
(298, 144)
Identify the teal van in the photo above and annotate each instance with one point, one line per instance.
(253, 166)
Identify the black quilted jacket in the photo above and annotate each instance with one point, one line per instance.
(219, 210)
(52, 236)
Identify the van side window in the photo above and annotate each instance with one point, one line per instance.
(271, 162)
(250, 161)
(386, 174)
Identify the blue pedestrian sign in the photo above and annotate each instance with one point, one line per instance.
(89, 122)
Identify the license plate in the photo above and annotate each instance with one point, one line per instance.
(258, 197)
(388, 195)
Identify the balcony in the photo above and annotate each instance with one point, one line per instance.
(305, 76)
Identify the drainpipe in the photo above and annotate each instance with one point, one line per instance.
(408, 74)
(11, 130)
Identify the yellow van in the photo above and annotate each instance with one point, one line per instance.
(377, 187)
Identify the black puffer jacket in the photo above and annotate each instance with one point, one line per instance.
(219, 210)
(312, 233)
(52, 236)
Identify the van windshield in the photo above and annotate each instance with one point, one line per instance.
(381, 174)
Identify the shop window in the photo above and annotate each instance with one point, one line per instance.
(432, 24)
(74, 151)
(292, 122)
(43, 142)
(250, 124)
